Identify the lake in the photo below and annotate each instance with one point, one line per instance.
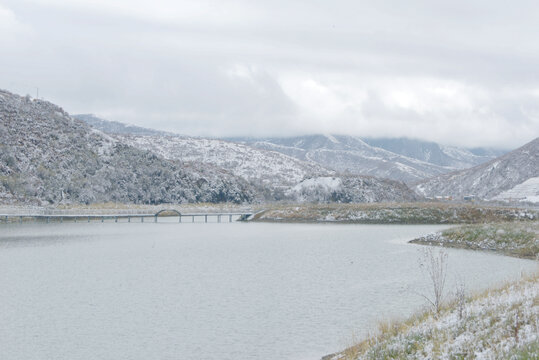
(213, 291)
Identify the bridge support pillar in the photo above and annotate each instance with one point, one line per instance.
(155, 218)
(180, 219)
(20, 219)
(205, 218)
(129, 219)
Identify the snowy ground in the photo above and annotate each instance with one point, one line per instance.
(527, 191)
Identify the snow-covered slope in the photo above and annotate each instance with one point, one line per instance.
(488, 180)
(447, 156)
(48, 157)
(350, 189)
(266, 168)
(526, 191)
(350, 154)
(275, 175)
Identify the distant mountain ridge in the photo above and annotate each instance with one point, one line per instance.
(431, 152)
(274, 174)
(401, 159)
(404, 160)
(491, 179)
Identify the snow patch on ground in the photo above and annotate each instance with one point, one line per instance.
(526, 191)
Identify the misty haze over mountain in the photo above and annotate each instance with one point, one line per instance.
(461, 73)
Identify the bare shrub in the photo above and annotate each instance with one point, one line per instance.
(460, 297)
(435, 266)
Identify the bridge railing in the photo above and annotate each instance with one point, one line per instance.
(15, 210)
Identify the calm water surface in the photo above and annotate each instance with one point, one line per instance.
(212, 291)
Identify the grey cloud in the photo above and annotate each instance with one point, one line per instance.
(240, 68)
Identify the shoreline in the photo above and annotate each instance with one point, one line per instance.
(394, 213)
(470, 322)
(496, 323)
(516, 239)
(470, 215)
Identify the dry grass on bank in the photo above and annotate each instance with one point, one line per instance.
(394, 213)
(496, 324)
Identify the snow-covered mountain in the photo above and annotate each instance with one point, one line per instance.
(274, 175)
(266, 169)
(508, 176)
(48, 157)
(351, 155)
(431, 152)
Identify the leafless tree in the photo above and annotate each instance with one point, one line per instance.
(435, 266)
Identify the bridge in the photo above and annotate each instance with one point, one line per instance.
(125, 217)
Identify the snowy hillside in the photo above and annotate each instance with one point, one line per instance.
(526, 191)
(48, 157)
(494, 179)
(276, 176)
(349, 154)
(265, 168)
(350, 189)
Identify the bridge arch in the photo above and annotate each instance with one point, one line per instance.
(168, 210)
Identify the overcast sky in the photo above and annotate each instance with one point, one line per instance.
(456, 72)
